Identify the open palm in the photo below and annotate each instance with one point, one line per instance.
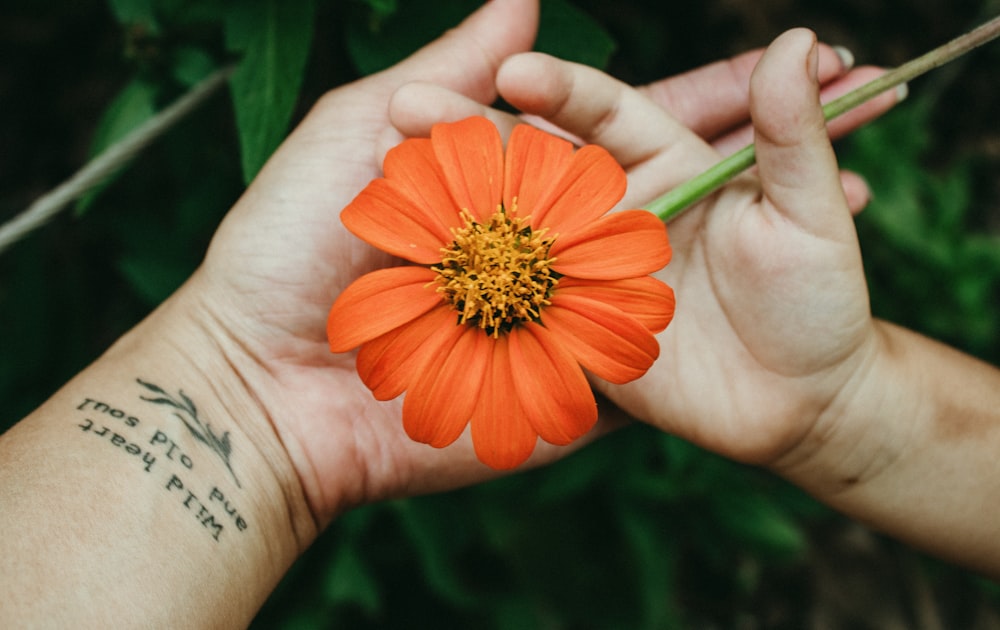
(772, 313)
(282, 256)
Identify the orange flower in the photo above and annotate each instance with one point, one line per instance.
(521, 280)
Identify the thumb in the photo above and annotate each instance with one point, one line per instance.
(466, 58)
(797, 166)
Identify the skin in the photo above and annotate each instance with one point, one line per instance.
(773, 325)
(773, 357)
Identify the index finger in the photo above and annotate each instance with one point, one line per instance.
(658, 151)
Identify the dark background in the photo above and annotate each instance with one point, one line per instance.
(639, 531)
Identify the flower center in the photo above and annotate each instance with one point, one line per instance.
(497, 274)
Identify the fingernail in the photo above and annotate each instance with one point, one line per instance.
(902, 91)
(846, 57)
(869, 192)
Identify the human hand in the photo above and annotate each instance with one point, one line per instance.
(773, 316)
(281, 257)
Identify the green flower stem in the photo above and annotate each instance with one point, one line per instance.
(697, 188)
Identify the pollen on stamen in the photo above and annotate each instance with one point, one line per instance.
(496, 274)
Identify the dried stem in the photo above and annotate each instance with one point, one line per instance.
(697, 188)
(107, 162)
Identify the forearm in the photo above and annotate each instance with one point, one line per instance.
(913, 448)
(146, 492)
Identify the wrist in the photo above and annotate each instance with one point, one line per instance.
(864, 429)
(174, 498)
(204, 364)
(909, 446)
(223, 473)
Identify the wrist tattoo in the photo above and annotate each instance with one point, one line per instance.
(158, 454)
(185, 410)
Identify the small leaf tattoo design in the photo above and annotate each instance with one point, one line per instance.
(187, 412)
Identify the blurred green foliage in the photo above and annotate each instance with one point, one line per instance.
(639, 531)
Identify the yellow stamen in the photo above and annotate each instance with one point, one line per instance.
(497, 274)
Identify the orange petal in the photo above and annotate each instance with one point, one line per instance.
(645, 298)
(415, 171)
(552, 388)
(384, 218)
(606, 341)
(470, 153)
(591, 185)
(439, 404)
(535, 162)
(501, 434)
(377, 302)
(621, 245)
(388, 364)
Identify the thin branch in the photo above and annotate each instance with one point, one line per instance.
(108, 161)
(697, 188)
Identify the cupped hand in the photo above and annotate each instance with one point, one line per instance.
(282, 256)
(772, 319)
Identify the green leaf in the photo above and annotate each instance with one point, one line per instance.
(185, 14)
(566, 32)
(654, 558)
(153, 278)
(383, 7)
(274, 39)
(377, 38)
(760, 523)
(384, 35)
(350, 581)
(431, 524)
(135, 13)
(134, 105)
(190, 64)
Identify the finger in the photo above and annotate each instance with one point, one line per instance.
(714, 99)
(856, 191)
(416, 107)
(466, 58)
(798, 170)
(601, 110)
(840, 126)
